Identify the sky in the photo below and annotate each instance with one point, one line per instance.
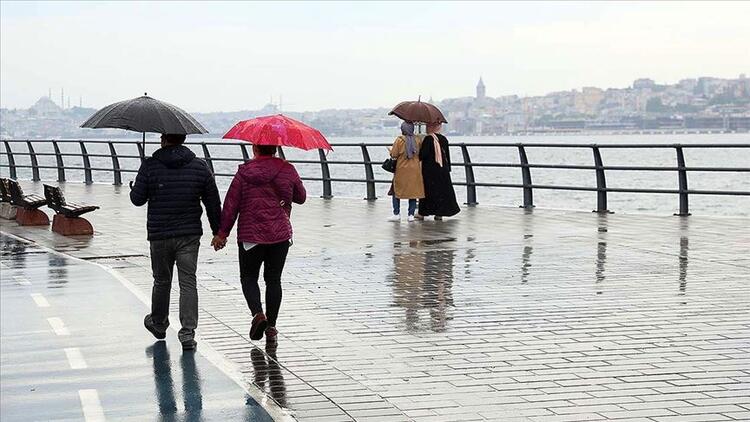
(225, 56)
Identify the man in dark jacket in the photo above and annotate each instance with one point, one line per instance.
(174, 182)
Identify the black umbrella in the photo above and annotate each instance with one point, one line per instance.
(145, 114)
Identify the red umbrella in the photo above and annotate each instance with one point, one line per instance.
(278, 130)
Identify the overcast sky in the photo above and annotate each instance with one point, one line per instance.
(235, 56)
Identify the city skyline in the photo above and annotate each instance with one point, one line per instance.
(234, 56)
(470, 92)
(690, 104)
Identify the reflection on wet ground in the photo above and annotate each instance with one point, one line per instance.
(528, 250)
(164, 383)
(500, 313)
(57, 271)
(683, 257)
(267, 374)
(13, 251)
(422, 281)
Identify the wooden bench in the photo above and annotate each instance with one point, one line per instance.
(27, 213)
(56, 200)
(7, 210)
(4, 192)
(67, 220)
(18, 198)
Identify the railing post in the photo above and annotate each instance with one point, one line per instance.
(60, 162)
(369, 175)
(141, 151)
(471, 187)
(115, 164)
(683, 182)
(326, 175)
(207, 156)
(601, 183)
(245, 155)
(11, 161)
(528, 193)
(281, 153)
(34, 163)
(86, 164)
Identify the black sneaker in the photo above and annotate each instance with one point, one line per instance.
(189, 345)
(149, 324)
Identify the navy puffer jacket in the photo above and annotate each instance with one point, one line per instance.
(174, 182)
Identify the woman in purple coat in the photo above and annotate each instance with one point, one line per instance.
(261, 194)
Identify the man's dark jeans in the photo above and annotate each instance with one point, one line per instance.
(165, 253)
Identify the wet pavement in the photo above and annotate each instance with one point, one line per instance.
(498, 314)
(73, 349)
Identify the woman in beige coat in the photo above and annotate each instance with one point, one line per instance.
(407, 180)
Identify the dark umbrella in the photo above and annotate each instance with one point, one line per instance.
(418, 111)
(145, 114)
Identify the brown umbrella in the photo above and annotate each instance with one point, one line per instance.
(418, 111)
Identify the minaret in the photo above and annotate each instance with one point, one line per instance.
(62, 98)
(480, 89)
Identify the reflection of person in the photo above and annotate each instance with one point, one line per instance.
(423, 280)
(191, 386)
(407, 180)
(440, 198)
(267, 373)
(174, 182)
(261, 194)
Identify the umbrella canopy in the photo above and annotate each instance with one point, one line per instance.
(278, 130)
(145, 114)
(418, 111)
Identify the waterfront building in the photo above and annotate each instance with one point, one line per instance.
(481, 90)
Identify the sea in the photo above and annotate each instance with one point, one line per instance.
(346, 168)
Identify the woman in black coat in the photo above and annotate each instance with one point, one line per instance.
(440, 198)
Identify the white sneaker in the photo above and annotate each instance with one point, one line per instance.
(410, 218)
(395, 217)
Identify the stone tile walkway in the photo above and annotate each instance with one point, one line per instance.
(498, 314)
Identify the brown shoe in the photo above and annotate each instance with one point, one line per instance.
(271, 333)
(258, 326)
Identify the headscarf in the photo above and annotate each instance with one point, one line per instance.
(407, 129)
(432, 130)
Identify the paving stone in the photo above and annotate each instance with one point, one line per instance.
(499, 313)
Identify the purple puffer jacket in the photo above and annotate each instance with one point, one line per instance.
(262, 193)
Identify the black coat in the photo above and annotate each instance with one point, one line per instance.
(174, 182)
(440, 198)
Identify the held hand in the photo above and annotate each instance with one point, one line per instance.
(130, 184)
(218, 242)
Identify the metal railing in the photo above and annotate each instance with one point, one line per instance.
(527, 185)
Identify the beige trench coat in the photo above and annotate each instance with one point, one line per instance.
(407, 181)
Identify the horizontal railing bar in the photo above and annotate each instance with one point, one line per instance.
(478, 184)
(611, 146)
(384, 144)
(589, 167)
(455, 164)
